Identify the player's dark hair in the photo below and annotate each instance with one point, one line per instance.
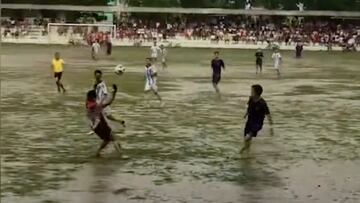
(148, 58)
(257, 89)
(97, 72)
(91, 94)
(216, 52)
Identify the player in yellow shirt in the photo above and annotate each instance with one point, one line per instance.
(58, 68)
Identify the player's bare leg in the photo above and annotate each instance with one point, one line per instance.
(278, 73)
(58, 85)
(158, 97)
(164, 65)
(102, 146)
(61, 86)
(117, 145)
(112, 118)
(215, 85)
(247, 144)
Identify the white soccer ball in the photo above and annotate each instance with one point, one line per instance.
(119, 69)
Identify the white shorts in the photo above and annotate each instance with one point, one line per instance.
(150, 86)
(277, 67)
(154, 56)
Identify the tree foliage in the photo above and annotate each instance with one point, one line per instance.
(340, 5)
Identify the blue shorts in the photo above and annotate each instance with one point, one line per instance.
(252, 129)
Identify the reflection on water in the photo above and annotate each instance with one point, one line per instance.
(183, 152)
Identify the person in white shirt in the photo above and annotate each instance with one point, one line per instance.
(163, 54)
(102, 96)
(248, 5)
(154, 52)
(276, 56)
(95, 48)
(150, 79)
(300, 6)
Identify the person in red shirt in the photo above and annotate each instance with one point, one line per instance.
(98, 121)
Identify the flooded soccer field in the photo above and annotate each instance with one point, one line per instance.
(188, 150)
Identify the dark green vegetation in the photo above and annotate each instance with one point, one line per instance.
(341, 5)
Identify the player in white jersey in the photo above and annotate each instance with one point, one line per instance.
(163, 53)
(95, 48)
(150, 79)
(102, 96)
(276, 56)
(154, 52)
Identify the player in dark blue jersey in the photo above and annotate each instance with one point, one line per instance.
(217, 65)
(256, 112)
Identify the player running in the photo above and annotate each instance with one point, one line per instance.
(217, 64)
(163, 53)
(98, 121)
(102, 96)
(150, 80)
(95, 48)
(259, 61)
(256, 112)
(154, 52)
(276, 56)
(58, 69)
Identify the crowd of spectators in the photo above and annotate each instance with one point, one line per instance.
(19, 28)
(215, 29)
(253, 31)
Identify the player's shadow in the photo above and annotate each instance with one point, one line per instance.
(254, 177)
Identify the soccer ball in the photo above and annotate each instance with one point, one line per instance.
(119, 69)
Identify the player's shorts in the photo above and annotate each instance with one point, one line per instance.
(252, 129)
(58, 75)
(150, 86)
(104, 131)
(216, 78)
(259, 63)
(277, 67)
(154, 56)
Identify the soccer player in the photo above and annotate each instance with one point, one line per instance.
(299, 49)
(256, 112)
(259, 60)
(217, 64)
(98, 122)
(163, 53)
(150, 79)
(95, 48)
(102, 96)
(154, 51)
(108, 44)
(276, 56)
(58, 68)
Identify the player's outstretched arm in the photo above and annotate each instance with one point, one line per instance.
(112, 98)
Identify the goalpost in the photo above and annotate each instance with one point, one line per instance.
(64, 33)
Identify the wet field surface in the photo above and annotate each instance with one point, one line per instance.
(188, 150)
